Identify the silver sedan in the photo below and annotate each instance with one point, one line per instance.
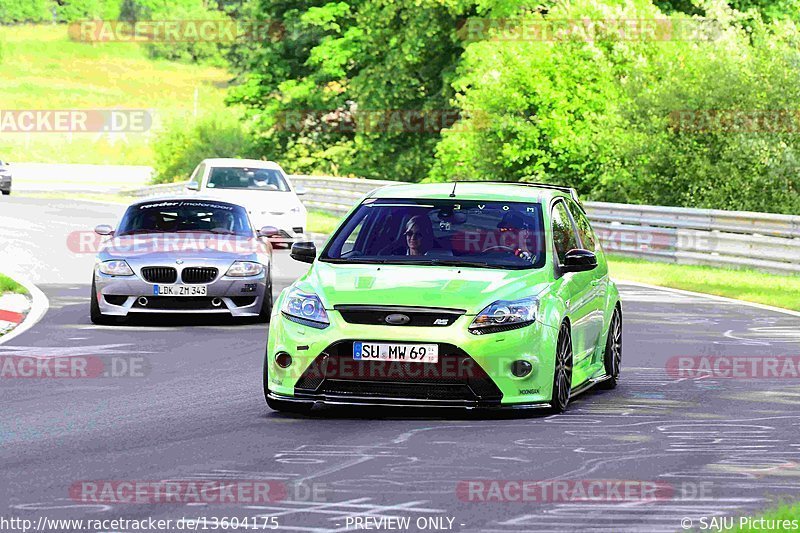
(183, 255)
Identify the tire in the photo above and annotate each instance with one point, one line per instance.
(266, 304)
(612, 358)
(6, 193)
(94, 310)
(562, 373)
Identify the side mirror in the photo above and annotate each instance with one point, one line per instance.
(192, 186)
(104, 229)
(305, 252)
(269, 232)
(579, 261)
(300, 190)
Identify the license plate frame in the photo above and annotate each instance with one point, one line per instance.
(427, 353)
(180, 290)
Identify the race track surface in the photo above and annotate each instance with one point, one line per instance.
(194, 410)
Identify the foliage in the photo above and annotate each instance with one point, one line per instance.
(180, 147)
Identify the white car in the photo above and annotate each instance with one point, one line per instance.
(261, 187)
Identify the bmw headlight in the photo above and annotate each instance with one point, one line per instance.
(504, 315)
(116, 268)
(242, 269)
(305, 308)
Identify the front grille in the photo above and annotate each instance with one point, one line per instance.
(417, 316)
(160, 274)
(199, 274)
(456, 377)
(178, 303)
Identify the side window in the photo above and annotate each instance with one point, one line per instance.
(584, 228)
(564, 236)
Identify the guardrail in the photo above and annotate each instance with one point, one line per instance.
(764, 241)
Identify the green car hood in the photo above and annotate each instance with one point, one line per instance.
(471, 289)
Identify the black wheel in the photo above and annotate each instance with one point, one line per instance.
(266, 305)
(94, 309)
(6, 193)
(562, 377)
(612, 359)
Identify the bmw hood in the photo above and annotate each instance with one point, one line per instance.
(471, 289)
(258, 202)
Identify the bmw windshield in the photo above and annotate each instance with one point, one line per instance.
(185, 216)
(466, 233)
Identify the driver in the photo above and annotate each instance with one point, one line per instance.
(520, 231)
(419, 235)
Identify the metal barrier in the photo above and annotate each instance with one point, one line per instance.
(764, 241)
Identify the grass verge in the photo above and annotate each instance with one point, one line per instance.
(748, 285)
(322, 222)
(783, 519)
(44, 69)
(9, 285)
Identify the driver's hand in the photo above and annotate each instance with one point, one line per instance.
(523, 254)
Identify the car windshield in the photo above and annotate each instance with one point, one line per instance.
(257, 179)
(185, 216)
(485, 234)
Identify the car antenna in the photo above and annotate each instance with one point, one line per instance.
(453, 194)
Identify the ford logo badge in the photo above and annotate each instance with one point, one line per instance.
(397, 319)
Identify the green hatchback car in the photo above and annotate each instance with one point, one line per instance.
(468, 294)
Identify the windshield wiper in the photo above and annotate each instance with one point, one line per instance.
(451, 262)
(141, 230)
(217, 231)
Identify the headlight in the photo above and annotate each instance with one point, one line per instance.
(116, 268)
(241, 269)
(305, 308)
(504, 315)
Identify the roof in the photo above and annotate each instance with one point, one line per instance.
(503, 191)
(240, 163)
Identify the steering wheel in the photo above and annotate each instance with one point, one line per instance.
(501, 247)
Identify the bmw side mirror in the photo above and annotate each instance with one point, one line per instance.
(300, 190)
(269, 232)
(192, 186)
(104, 229)
(305, 252)
(579, 261)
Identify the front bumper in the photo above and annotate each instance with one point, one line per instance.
(240, 297)
(492, 354)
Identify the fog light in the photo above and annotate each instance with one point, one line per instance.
(283, 359)
(521, 368)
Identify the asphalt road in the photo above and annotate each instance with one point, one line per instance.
(194, 411)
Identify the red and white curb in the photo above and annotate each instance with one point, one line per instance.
(19, 312)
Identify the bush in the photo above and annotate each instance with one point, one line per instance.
(600, 115)
(180, 147)
(14, 11)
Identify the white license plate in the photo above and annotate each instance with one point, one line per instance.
(378, 351)
(180, 290)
